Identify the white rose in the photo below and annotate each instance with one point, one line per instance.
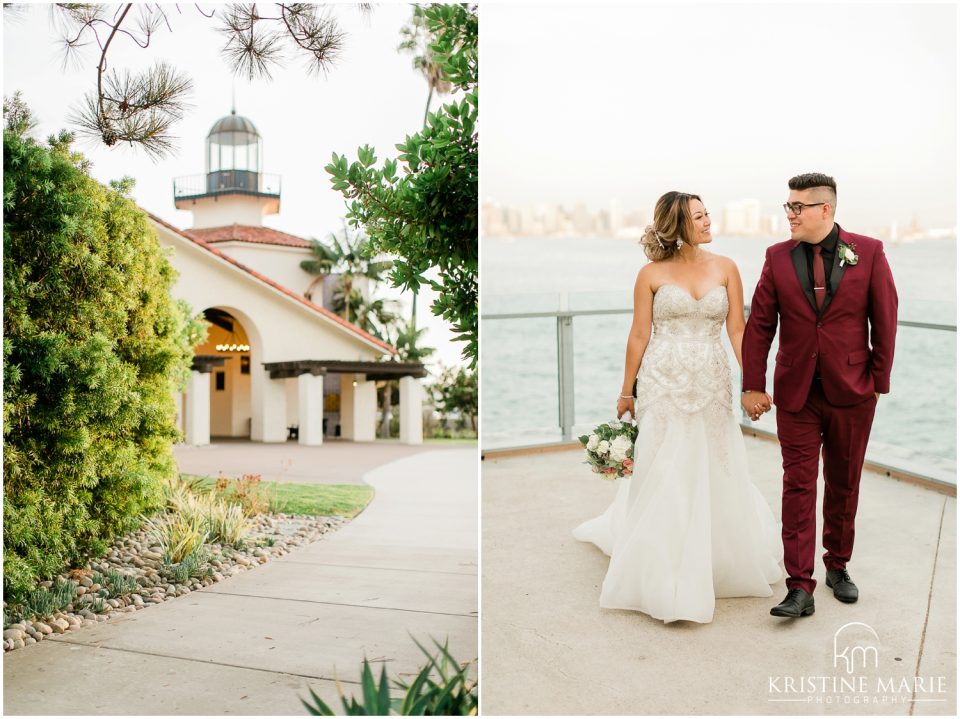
(603, 447)
(615, 424)
(593, 442)
(616, 454)
(621, 446)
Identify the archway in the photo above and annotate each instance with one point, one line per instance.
(230, 383)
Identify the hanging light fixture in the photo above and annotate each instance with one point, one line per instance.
(233, 348)
(232, 344)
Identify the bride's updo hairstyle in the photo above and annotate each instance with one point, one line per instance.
(672, 221)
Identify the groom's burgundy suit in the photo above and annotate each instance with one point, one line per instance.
(828, 366)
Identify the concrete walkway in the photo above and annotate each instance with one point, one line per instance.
(548, 648)
(334, 462)
(252, 644)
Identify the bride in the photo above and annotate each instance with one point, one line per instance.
(688, 526)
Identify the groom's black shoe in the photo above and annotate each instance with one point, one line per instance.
(843, 587)
(798, 603)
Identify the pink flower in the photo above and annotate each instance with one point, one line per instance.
(627, 463)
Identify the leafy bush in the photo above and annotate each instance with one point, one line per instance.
(441, 688)
(93, 347)
(455, 394)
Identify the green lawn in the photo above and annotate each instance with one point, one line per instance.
(345, 500)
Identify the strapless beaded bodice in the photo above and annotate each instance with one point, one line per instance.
(678, 315)
(685, 363)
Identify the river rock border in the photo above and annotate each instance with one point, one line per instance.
(134, 555)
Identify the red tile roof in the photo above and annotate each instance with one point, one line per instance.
(247, 233)
(276, 285)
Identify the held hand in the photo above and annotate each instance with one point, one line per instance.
(625, 405)
(755, 404)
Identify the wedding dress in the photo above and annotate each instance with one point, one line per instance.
(688, 526)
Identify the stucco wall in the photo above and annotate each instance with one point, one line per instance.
(281, 264)
(279, 327)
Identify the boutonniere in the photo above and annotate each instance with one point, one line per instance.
(847, 254)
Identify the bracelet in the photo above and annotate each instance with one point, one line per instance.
(627, 396)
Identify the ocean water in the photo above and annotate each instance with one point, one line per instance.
(916, 423)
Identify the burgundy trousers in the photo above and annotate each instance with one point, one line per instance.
(841, 433)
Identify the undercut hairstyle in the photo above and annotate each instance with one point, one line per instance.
(811, 180)
(672, 221)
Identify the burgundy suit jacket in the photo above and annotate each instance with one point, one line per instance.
(853, 336)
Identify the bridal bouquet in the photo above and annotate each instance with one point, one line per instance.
(610, 448)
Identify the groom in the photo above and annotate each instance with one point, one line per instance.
(833, 295)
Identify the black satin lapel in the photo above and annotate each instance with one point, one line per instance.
(800, 267)
(835, 276)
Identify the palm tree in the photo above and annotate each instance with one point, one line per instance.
(375, 316)
(407, 342)
(416, 40)
(344, 254)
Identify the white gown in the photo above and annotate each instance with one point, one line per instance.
(688, 526)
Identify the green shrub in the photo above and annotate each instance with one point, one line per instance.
(93, 347)
(442, 687)
(193, 565)
(42, 602)
(179, 535)
(226, 523)
(115, 583)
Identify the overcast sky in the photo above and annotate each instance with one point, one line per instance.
(725, 100)
(373, 96)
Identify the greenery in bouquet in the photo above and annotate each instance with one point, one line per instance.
(610, 448)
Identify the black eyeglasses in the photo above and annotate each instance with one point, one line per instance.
(797, 207)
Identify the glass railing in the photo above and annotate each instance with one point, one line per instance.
(552, 372)
(224, 181)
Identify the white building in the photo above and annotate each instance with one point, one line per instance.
(275, 364)
(770, 225)
(742, 218)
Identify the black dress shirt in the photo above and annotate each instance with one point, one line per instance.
(828, 253)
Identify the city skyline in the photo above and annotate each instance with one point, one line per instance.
(744, 217)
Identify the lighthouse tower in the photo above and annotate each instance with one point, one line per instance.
(277, 362)
(234, 189)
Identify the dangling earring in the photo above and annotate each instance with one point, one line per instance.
(679, 243)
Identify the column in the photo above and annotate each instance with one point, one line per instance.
(365, 412)
(358, 408)
(310, 409)
(198, 408)
(346, 406)
(411, 411)
(269, 399)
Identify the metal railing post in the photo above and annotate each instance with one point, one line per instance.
(565, 374)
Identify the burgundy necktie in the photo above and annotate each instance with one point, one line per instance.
(819, 278)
